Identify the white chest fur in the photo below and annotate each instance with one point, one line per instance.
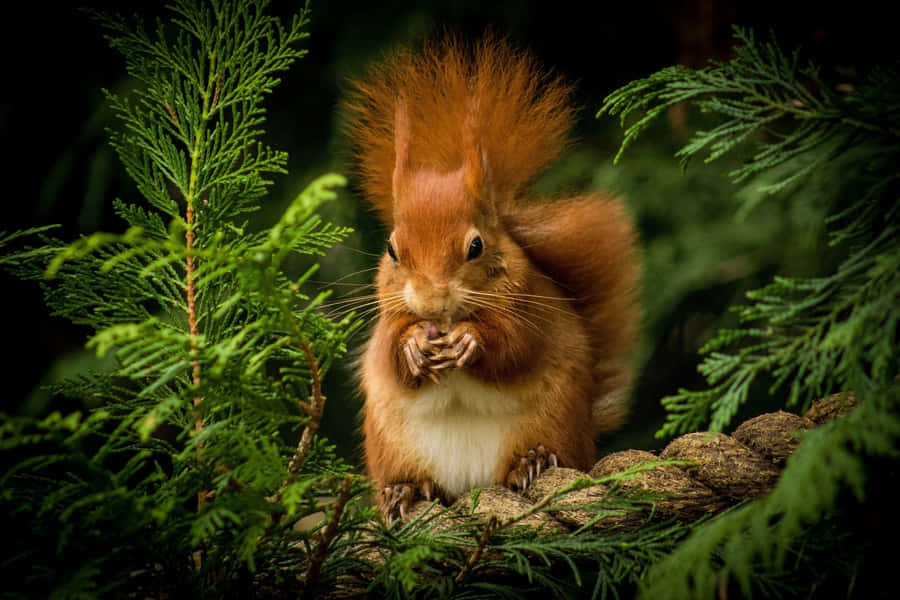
(459, 428)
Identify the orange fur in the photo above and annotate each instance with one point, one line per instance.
(494, 96)
(447, 141)
(587, 245)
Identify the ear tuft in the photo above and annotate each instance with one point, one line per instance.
(485, 107)
(401, 146)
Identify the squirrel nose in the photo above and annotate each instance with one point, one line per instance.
(430, 301)
(439, 303)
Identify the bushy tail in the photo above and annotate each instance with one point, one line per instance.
(587, 246)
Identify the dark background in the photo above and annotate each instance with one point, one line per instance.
(699, 258)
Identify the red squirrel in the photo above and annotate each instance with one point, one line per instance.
(505, 323)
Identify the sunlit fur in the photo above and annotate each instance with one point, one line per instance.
(446, 142)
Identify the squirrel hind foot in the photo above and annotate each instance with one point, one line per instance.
(395, 499)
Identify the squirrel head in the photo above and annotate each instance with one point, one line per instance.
(446, 140)
(448, 254)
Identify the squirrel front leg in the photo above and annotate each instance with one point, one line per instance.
(390, 366)
(410, 345)
(459, 347)
(418, 350)
(489, 347)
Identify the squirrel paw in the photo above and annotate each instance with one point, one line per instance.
(395, 499)
(527, 467)
(419, 348)
(458, 348)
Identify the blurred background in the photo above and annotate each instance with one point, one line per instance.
(700, 254)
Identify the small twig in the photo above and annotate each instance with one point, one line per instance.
(202, 495)
(215, 99)
(544, 502)
(327, 534)
(494, 525)
(172, 114)
(190, 284)
(191, 308)
(313, 408)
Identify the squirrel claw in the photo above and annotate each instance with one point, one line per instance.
(467, 347)
(427, 489)
(411, 362)
(528, 467)
(457, 347)
(396, 499)
(432, 375)
(419, 349)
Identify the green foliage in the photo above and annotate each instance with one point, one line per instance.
(836, 333)
(179, 480)
(441, 553)
(814, 317)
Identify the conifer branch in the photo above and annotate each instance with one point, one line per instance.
(492, 526)
(816, 336)
(316, 405)
(326, 536)
(190, 198)
(190, 224)
(221, 336)
(495, 525)
(798, 326)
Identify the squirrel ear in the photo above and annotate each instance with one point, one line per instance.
(477, 174)
(401, 145)
(478, 179)
(475, 164)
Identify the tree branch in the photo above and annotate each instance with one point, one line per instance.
(314, 570)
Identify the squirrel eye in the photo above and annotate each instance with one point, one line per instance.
(475, 248)
(391, 252)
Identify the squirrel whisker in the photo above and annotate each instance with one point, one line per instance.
(523, 300)
(355, 299)
(523, 295)
(360, 303)
(508, 312)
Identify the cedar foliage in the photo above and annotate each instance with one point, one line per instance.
(192, 474)
(815, 336)
(188, 477)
